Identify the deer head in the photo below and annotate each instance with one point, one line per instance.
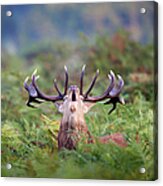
(73, 104)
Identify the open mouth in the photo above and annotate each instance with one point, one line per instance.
(73, 95)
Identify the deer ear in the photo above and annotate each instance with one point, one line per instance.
(87, 106)
(59, 107)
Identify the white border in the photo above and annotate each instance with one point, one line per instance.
(41, 182)
(5, 2)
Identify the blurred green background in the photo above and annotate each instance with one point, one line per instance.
(104, 36)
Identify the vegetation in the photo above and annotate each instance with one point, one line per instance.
(29, 135)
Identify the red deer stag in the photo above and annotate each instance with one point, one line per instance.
(73, 104)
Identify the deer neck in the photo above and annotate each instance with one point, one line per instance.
(72, 127)
(74, 123)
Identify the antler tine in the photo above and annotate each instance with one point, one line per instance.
(35, 94)
(26, 86)
(112, 79)
(114, 102)
(34, 73)
(106, 93)
(81, 79)
(116, 91)
(66, 80)
(29, 104)
(92, 84)
(41, 94)
(65, 84)
(32, 99)
(30, 88)
(56, 87)
(114, 95)
(111, 92)
(35, 85)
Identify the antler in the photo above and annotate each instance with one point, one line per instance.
(111, 93)
(37, 96)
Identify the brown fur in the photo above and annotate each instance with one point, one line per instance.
(73, 126)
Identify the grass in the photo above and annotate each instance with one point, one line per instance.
(29, 144)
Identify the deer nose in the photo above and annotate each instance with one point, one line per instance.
(72, 108)
(73, 95)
